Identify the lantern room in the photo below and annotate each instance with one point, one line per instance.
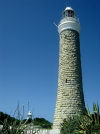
(68, 12)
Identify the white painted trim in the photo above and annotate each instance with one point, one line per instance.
(69, 24)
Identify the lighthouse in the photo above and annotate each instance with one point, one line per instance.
(70, 97)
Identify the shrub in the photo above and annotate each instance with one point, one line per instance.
(83, 124)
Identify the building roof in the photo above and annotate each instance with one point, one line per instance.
(68, 8)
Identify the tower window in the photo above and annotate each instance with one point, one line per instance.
(70, 13)
(66, 80)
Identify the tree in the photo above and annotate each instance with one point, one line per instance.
(83, 124)
(43, 123)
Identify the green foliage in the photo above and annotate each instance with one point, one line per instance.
(13, 128)
(43, 123)
(70, 125)
(25, 121)
(8, 119)
(12, 125)
(83, 124)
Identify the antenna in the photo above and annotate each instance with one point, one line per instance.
(55, 24)
(28, 106)
(23, 111)
(18, 111)
(32, 115)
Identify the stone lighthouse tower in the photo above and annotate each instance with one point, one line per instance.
(70, 98)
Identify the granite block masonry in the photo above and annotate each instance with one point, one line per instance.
(70, 97)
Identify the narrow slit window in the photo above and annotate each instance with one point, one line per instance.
(66, 80)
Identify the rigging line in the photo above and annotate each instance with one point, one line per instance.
(28, 105)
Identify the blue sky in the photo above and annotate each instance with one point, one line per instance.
(29, 49)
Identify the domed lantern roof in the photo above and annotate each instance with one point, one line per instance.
(69, 12)
(69, 8)
(29, 113)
